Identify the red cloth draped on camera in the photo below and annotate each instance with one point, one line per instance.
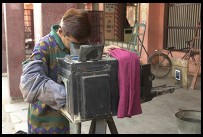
(129, 82)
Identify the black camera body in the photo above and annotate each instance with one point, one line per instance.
(92, 88)
(91, 83)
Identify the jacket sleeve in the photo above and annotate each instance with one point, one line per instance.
(36, 86)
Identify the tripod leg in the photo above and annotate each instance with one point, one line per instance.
(100, 126)
(75, 128)
(112, 126)
(92, 127)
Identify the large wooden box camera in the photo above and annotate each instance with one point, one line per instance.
(92, 88)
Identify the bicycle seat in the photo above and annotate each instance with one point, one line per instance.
(170, 48)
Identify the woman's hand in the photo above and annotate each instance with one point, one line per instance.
(108, 48)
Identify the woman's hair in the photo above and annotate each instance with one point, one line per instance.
(76, 23)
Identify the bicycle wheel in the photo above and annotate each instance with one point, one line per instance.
(160, 64)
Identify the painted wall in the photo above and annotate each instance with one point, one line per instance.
(48, 14)
(14, 35)
(155, 27)
(153, 15)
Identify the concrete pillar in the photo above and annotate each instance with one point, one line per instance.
(153, 15)
(48, 14)
(143, 13)
(156, 26)
(4, 61)
(15, 47)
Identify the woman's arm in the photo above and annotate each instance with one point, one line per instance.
(35, 86)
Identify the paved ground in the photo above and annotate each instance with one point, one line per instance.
(7, 125)
(158, 115)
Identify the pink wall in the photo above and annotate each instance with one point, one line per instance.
(48, 14)
(154, 28)
(52, 14)
(15, 45)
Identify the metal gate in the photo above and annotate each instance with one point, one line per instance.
(29, 27)
(182, 21)
(28, 31)
(118, 22)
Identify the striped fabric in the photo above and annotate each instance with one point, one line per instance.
(42, 119)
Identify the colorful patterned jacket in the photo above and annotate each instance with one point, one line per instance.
(39, 87)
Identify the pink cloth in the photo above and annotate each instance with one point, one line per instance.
(129, 82)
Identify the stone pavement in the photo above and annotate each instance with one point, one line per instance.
(158, 115)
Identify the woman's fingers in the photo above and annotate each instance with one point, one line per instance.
(110, 47)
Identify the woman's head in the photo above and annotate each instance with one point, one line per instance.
(75, 23)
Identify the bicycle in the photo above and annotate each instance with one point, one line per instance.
(161, 64)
